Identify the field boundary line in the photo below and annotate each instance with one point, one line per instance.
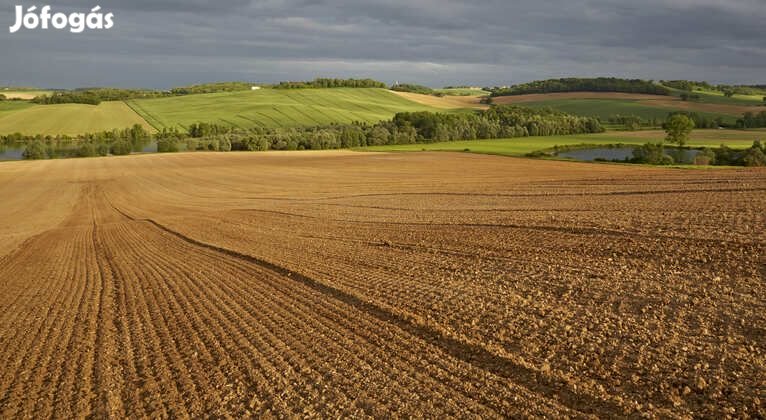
(130, 105)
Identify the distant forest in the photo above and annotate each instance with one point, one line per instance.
(727, 90)
(94, 96)
(599, 84)
(331, 83)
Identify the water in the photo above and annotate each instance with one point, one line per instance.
(11, 153)
(624, 152)
(16, 152)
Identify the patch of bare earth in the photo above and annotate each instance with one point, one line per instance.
(363, 284)
(445, 102)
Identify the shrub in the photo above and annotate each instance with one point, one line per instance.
(35, 150)
(121, 147)
(652, 153)
(754, 156)
(705, 157)
(167, 146)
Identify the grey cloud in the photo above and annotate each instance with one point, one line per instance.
(163, 43)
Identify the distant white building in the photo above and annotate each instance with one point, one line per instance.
(254, 87)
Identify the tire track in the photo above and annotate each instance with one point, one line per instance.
(467, 352)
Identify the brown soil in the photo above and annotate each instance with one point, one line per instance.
(445, 102)
(360, 284)
(649, 100)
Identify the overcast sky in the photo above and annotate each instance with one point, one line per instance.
(165, 43)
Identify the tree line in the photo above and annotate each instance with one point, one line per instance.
(572, 84)
(115, 142)
(752, 120)
(727, 90)
(409, 87)
(331, 83)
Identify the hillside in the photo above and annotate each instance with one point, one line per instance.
(606, 104)
(276, 107)
(69, 119)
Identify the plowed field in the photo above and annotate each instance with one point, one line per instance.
(326, 284)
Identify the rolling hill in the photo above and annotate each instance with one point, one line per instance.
(69, 119)
(606, 104)
(275, 107)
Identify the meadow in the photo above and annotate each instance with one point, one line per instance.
(605, 108)
(738, 139)
(69, 119)
(275, 108)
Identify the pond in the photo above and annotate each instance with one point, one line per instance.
(16, 152)
(11, 153)
(622, 153)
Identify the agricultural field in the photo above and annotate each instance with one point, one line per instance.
(444, 102)
(717, 97)
(345, 284)
(276, 108)
(606, 104)
(24, 94)
(737, 139)
(70, 119)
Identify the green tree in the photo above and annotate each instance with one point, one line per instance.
(121, 147)
(678, 128)
(35, 150)
(754, 157)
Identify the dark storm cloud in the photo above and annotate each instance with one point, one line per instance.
(162, 43)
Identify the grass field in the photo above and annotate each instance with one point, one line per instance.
(70, 119)
(524, 145)
(376, 285)
(7, 107)
(717, 97)
(605, 108)
(275, 108)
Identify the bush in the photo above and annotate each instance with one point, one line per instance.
(652, 153)
(167, 146)
(35, 150)
(754, 156)
(121, 147)
(86, 150)
(705, 157)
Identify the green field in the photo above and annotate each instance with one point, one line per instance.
(605, 108)
(12, 106)
(275, 108)
(70, 119)
(717, 97)
(738, 139)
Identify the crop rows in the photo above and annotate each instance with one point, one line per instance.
(344, 284)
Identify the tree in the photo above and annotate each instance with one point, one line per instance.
(754, 157)
(121, 147)
(35, 150)
(728, 93)
(678, 128)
